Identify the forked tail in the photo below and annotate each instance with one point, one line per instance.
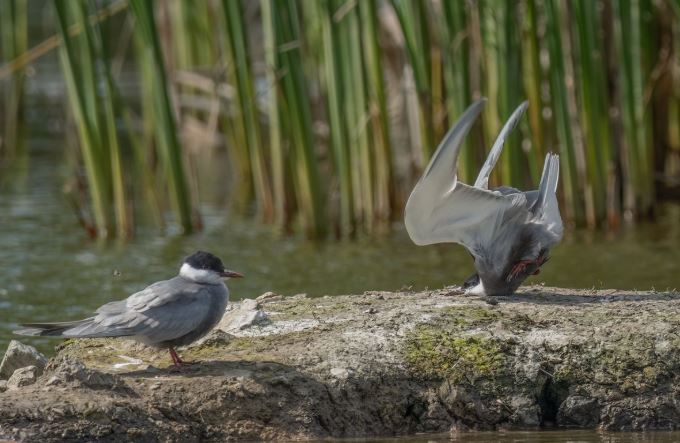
(51, 329)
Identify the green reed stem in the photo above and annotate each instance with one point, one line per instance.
(412, 15)
(298, 119)
(165, 128)
(636, 143)
(533, 78)
(574, 208)
(276, 142)
(377, 111)
(593, 100)
(335, 80)
(14, 41)
(455, 40)
(78, 72)
(243, 81)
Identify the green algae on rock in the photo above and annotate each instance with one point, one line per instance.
(435, 353)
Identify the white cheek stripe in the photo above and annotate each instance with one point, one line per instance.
(199, 275)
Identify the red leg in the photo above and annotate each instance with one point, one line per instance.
(519, 267)
(522, 264)
(175, 358)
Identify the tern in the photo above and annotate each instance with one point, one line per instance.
(508, 232)
(165, 315)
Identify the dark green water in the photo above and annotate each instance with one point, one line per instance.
(51, 271)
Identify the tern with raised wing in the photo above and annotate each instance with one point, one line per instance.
(508, 232)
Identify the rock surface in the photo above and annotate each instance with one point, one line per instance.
(23, 377)
(19, 355)
(242, 315)
(375, 364)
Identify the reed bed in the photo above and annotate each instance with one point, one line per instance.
(335, 106)
(13, 43)
(95, 120)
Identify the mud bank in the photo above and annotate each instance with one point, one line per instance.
(376, 364)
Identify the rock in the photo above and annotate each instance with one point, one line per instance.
(242, 316)
(22, 377)
(527, 412)
(340, 373)
(74, 373)
(19, 355)
(3, 385)
(216, 337)
(577, 410)
(325, 368)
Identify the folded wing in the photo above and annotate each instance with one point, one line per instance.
(158, 313)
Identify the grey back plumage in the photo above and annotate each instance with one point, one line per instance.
(497, 226)
(168, 313)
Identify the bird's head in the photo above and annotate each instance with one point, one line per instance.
(203, 267)
(489, 282)
(502, 271)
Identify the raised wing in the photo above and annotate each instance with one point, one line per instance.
(441, 209)
(482, 181)
(545, 207)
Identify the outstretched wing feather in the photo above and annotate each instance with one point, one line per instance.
(469, 216)
(482, 181)
(441, 209)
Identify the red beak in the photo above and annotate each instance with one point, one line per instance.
(231, 274)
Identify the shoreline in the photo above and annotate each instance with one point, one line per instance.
(371, 365)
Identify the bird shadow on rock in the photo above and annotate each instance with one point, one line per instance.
(234, 368)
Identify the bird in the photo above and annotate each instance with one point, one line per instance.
(165, 315)
(508, 232)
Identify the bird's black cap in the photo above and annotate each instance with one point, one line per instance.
(205, 260)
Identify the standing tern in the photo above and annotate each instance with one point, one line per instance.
(166, 314)
(508, 232)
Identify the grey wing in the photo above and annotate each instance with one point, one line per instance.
(482, 181)
(162, 311)
(441, 209)
(545, 206)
